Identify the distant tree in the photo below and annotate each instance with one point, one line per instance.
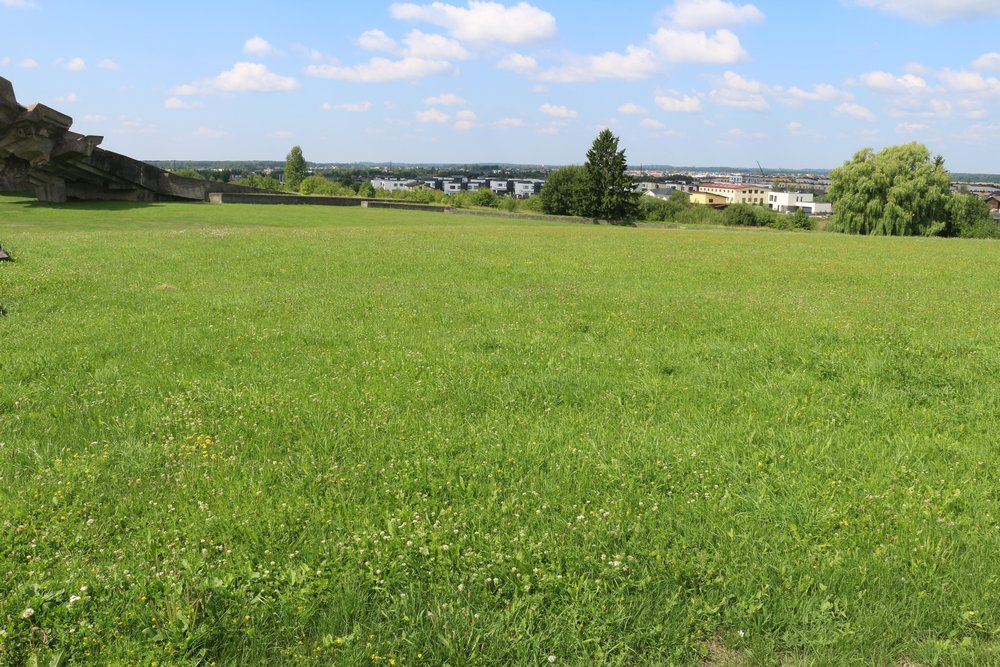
(609, 193)
(969, 217)
(485, 197)
(315, 185)
(295, 168)
(190, 173)
(898, 191)
(564, 191)
(366, 190)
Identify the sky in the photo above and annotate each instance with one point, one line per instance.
(790, 84)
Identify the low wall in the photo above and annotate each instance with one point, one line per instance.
(241, 198)
(404, 206)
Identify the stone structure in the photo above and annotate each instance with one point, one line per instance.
(38, 152)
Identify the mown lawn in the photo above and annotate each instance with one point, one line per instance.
(297, 435)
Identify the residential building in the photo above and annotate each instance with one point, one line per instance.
(662, 192)
(393, 184)
(994, 201)
(526, 188)
(737, 194)
(708, 199)
(790, 202)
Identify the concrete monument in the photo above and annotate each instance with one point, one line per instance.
(38, 151)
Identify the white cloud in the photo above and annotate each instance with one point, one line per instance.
(433, 47)
(350, 107)
(133, 125)
(107, 64)
(553, 128)
(679, 46)
(855, 110)
(910, 128)
(376, 40)
(258, 46)
(281, 134)
(76, 65)
(969, 82)
(68, 98)
(557, 111)
(208, 133)
(822, 92)
(483, 22)
(28, 63)
(178, 103)
(95, 118)
(889, 83)
(379, 70)
(735, 91)
(447, 99)
(510, 122)
(652, 124)
(702, 14)
(987, 61)
(519, 63)
(678, 102)
(635, 63)
(17, 4)
(631, 109)
(935, 11)
(242, 78)
(431, 116)
(466, 120)
(933, 108)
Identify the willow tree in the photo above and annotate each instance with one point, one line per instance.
(900, 191)
(609, 193)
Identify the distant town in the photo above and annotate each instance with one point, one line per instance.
(781, 191)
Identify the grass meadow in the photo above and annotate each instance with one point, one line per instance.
(235, 435)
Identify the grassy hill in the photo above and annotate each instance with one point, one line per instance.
(297, 435)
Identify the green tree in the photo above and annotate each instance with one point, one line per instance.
(969, 217)
(295, 168)
(366, 190)
(564, 191)
(898, 191)
(190, 173)
(609, 194)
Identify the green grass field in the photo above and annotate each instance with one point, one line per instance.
(293, 435)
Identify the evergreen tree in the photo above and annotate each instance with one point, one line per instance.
(295, 169)
(609, 191)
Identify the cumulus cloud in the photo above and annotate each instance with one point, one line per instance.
(107, 64)
(680, 46)
(380, 70)
(733, 90)
(483, 22)
(242, 78)
(969, 82)
(702, 14)
(854, 110)
(17, 4)
(258, 46)
(446, 99)
(177, 104)
(557, 111)
(76, 65)
(350, 107)
(510, 122)
(910, 128)
(631, 109)
(652, 124)
(677, 102)
(466, 120)
(376, 40)
(635, 63)
(987, 61)
(516, 62)
(28, 63)
(890, 83)
(433, 47)
(431, 116)
(68, 98)
(934, 11)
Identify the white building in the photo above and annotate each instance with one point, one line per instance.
(790, 202)
(393, 184)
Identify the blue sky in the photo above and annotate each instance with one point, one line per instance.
(688, 82)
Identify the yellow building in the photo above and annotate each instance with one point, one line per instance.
(737, 194)
(707, 199)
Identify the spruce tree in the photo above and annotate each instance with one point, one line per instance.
(609, 191)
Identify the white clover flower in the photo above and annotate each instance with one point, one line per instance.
(552, 658)
(28, 613)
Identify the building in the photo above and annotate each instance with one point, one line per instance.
(790, 202)
(526, 188)
(737, 194)
(994, 201)
(708, 199)
(662, 192)
(393, 184)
